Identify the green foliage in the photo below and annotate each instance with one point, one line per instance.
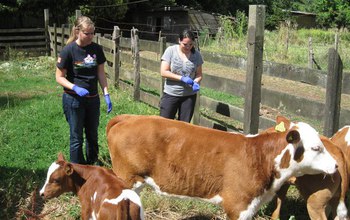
(109, 9)
(230, 37)
(332, 13)
(241, 24)
(284, 45)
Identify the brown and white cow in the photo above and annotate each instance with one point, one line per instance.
(101, 193)
(239, 172)
(320, 191)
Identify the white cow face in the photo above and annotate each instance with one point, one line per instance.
(308, 153)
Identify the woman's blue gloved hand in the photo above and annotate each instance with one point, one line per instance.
(195, 87)
(187, 80)
(80, 91)
(109, 103)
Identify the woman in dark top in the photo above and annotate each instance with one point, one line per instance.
(80, 66)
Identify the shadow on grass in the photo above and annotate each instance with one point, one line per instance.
(12, 100)
(15, 186)
(292, 206)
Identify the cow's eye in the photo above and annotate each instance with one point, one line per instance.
(56, 181)
(317, 148)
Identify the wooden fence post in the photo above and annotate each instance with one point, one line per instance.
(55, 39)
(62, 38)
(136, 56)
(197, 114)
(116, 56)
(311, 54)
(77, 13)
(47, 36)
(254, 68)
(336, 41)
(333, 93)
(162, 47)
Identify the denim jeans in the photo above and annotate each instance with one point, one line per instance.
(82, 114)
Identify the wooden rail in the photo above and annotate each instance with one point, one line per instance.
(121, 69)
(26, 39)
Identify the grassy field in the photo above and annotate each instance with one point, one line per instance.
(286, 45)
(33, 130)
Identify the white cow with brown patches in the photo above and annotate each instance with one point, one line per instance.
(101, 193)
(239, 172)
(321, 191)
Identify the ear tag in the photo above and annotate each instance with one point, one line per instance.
(280, 127)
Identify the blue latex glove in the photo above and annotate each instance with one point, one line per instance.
(109, 103)
(80, 91)
(195, 87)
(187, 80)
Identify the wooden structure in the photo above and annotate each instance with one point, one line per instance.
(254, 68)
(119, 60)
(304, 19)
(121, 67)
(171, 20)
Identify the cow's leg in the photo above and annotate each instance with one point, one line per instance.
(233, 206)
(316, 205)
(333, 203)
(135, 212)
(281, 195)
(86, 210)
(317, 190)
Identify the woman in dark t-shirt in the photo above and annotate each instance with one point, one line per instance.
(80, 66)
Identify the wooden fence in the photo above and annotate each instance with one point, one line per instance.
(29, 40)
(26, 39)
(120, 67)
(126, 69)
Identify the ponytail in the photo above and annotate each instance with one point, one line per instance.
(80, 23)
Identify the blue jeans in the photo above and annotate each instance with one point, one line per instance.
(82, 114)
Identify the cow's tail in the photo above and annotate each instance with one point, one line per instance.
(116, 120)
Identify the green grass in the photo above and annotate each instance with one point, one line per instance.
(33, 128)
(297, 41)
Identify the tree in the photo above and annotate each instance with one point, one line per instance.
(332, 13)
(108, 9)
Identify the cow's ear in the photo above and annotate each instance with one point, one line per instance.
(68, 169)
(60, 157)
(293, 137)
(280, 119)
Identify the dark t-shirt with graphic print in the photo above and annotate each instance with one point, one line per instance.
(81, 64)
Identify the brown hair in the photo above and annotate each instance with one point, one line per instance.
(188, 34)
(79, 24)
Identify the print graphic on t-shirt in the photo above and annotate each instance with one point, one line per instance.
(185, 68)
(88, 62)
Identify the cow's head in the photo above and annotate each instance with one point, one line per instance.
(305, 153)
(58, 179)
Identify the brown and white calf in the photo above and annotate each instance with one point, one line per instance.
(241, 173)
(101, 193)
(320, 191)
